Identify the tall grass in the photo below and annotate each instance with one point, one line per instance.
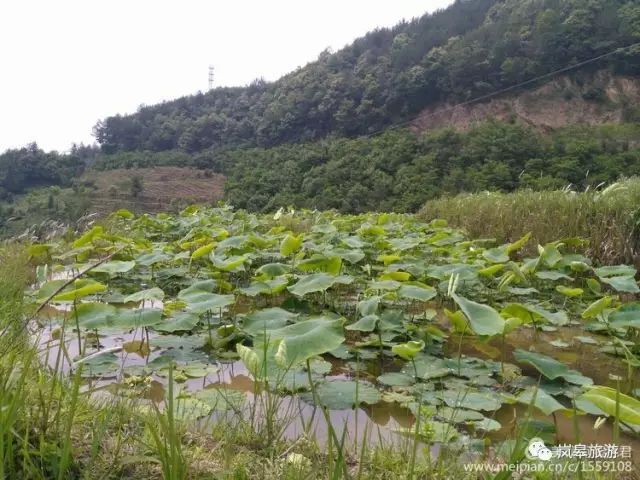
(609, 219)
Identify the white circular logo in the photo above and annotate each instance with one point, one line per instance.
(537, 450)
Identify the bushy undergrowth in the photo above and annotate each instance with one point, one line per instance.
(609, 219)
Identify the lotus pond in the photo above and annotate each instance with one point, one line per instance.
(374, 326)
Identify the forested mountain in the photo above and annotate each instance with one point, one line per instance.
(370, 127)
(472, 48)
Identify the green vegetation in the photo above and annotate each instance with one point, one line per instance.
(399, 171)
(389, 75)
(395, 171)
(609, 219)
(330, 312)
(42, 211)
(299, 141)
(220, 343)
(29, 167)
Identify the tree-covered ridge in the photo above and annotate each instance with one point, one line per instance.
(399, 171)
(389, 75)
(29, 167)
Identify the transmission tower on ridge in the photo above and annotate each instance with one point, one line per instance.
(210, 77)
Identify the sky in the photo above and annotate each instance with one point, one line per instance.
(65, 64)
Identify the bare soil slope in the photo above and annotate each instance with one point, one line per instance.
(163, 188)
(600, 98)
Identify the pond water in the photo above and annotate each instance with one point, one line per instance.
(375, 424)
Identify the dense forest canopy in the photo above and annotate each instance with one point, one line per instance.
(399, 171)
(30, 166)
(471, 48)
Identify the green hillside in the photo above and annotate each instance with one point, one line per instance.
(472, 48)
(352, 130)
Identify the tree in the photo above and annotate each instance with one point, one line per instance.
(137, 186)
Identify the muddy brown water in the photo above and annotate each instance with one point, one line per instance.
(378, 423)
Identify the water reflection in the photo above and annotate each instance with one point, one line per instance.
(373, 424)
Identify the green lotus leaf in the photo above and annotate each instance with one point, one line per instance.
(344, 394)
(149, 259)
(368, 306)
(569, 292)
(181, 322)
(94, 315)
(626, 316)
(622, 284)
(114, 266)
(190, 409)
(528, 313)
(353, 242)
(48, 289)
(291, 244)
(407, 243)
(267, 319)
(471, 400)
(135, 318)
(81, 289)
(388, 259)
(396, 379)
(365, 324)
(272, 270)
(268, 287)
(408, 350)
(203, 251)
(230, 264)
(540, 399)
(552, 275)
(415, 292)
(352, 256)
(88, 236)
(148, 294)
(317, 282)
(199, 298)
(550, 367)
(549, 254)
(395, 275)
(492, 270)
(518, 244)
(320, 366)
(616, 271)
(458, 321)
(586, 339)
(320, 263)
(259, 241)
(306, 339)
(496, 255)
(626, 408)
(487, 425)
(483, 319)
(384, 285)
(221, 399)
(459, 415)
(103, 365)
(597, 307)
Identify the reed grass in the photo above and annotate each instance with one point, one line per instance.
(608, 218)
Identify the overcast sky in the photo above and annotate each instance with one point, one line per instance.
(65, 64)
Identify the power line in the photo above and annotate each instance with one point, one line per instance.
(506, 89)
